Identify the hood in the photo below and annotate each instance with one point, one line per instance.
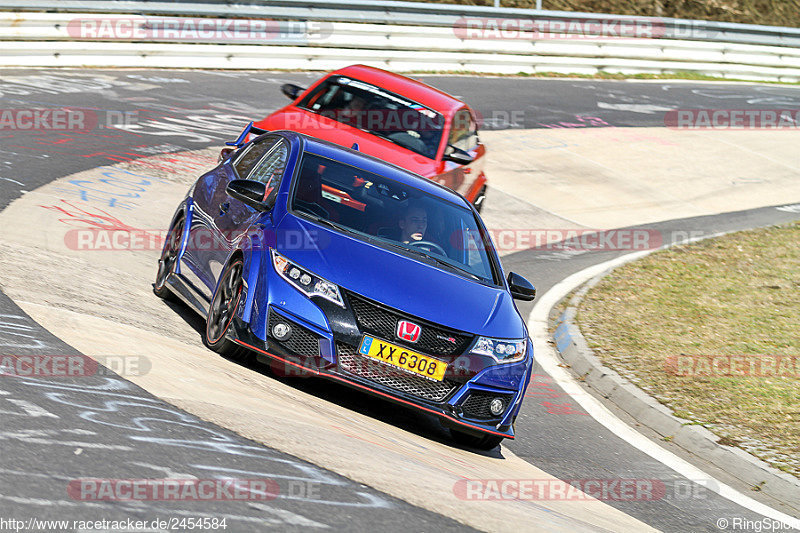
(295, 119)
(403, 283)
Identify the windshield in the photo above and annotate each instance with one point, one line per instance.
(377, 111)
(392, 214)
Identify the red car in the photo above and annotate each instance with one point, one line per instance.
(394, 118)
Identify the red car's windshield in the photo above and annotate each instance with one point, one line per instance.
(377, 111)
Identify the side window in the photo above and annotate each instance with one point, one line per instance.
(464, 131)
(252, 154)
(270, 169)
(321, 98)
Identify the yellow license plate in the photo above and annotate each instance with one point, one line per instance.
(396, 356)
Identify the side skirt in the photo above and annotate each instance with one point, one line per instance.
(182, 290)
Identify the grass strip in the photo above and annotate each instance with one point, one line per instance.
(712, 330)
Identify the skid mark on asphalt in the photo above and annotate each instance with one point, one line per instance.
(110, 402)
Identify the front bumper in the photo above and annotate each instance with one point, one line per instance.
(460, 401)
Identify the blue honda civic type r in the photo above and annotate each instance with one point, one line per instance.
(327, 262)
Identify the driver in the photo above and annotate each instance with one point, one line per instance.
(353, 111)
(413, 224)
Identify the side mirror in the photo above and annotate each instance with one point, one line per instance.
(250, 192)
(521, 288)
(291, 90)
(457, 155)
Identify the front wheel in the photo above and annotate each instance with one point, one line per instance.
(484, 442)
(222, 311)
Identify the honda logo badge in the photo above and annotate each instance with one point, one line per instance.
(408, 331)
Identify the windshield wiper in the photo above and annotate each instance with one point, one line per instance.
(439, 262)
(330, 224)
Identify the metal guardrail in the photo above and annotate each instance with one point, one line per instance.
(401, 36)
(408, 13)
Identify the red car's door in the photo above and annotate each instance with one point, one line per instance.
(463, 135)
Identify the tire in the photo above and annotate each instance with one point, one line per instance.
(168, 260)
(480, 199)
(484, 442)
(222, 312)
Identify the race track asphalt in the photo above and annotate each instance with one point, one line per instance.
(112, 422)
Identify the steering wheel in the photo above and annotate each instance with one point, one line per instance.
(432, 246)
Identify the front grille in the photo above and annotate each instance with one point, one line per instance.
(394, 378)
(301, 342)
(382, 322)
(477, 405)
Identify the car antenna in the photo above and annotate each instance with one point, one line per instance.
(355, 147)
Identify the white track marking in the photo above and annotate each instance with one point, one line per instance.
(647, 109)
(546, 356)
(30, 409)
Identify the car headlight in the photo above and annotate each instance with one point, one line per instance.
(306, 282)
(502, 350)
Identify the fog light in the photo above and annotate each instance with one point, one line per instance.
(497, 406)
(281, 331)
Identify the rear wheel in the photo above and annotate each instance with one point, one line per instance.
(483, 442)
(222, 311)
(168, 260)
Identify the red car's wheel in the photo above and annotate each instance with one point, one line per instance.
(479, 199)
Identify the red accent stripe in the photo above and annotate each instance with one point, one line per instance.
(353, 383)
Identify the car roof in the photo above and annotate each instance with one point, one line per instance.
(372, 164)
(415, 90)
